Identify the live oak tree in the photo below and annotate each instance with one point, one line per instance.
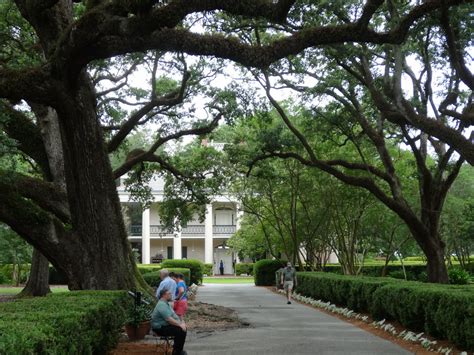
(289, 207)
(55, 104)
(379, 95)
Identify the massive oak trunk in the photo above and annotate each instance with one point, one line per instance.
(100, 255)
(434, 249)
(426, 233)
(436, 268)
(38, 281)
(87, 241)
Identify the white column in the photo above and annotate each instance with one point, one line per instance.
(146, 237)
(208, 242)
(238, 221)
(238, 215)
(177, 245)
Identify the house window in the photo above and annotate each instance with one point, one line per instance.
(170, 253)
(184, 252)
(224, 217)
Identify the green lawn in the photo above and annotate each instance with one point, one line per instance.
(16, 290)
(228, 280)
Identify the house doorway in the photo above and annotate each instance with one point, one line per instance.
(225, 254)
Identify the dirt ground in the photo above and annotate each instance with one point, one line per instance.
(209, 317)
(6, 298)
(201, 318)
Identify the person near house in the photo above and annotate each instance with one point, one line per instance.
(221, 267)
(165, 322)
(181, 297)
(166, 283)
(289, 281)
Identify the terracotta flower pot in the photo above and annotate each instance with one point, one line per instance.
(138, 333)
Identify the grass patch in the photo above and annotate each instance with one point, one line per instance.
(230, 280)
(16, 290)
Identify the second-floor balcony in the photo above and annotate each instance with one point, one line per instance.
(197, 229)
(224, 230)
(135, 230)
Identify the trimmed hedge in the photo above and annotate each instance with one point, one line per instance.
(414, 272)
(443, 311)
(153, 278)
(264, 271)
(80, 322)
(144, 269)
(207, 270)
(195, 266)
(470, 268)
(244, 268)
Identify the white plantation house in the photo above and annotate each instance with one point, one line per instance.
(202, 240)
(205, 241)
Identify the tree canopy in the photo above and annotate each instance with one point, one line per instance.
(71, 95)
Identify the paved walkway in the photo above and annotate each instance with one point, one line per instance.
(278, 328)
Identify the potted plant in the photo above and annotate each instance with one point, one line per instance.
(138, 322)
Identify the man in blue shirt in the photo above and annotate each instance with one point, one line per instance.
(166, 283)
(165, 322)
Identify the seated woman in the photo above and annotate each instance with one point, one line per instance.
(165, 322)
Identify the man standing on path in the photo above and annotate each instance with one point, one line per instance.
(221, 267)
(288, 279)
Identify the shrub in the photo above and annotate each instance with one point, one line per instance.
(458, 276)
(423, 276)
(348, 291)
(244, 268)
(470, 268)
(144, 269)
(6, 271)
(207, 270)
(195, 266)
(414, 272)
(153, 278)
(81, 322)
(264, 271)
(442, 311)
(399, 274)
(415, 258)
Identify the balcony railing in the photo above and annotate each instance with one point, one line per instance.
(199, 229)
(135, 230)
(193, 229)
(159, 230)
(224, 229)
